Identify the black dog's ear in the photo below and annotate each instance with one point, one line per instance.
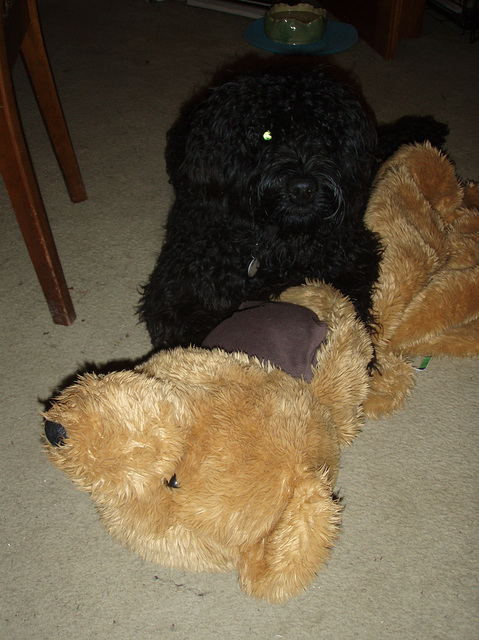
(175, 148)
(178, 134)
(410, 130)
(55, 433)
(357, 157)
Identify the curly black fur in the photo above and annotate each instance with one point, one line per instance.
(274, 167)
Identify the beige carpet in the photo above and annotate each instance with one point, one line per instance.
(405, 566)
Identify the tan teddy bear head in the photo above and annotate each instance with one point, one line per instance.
(229, 466)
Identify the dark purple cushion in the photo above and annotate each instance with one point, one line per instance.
(288, 335)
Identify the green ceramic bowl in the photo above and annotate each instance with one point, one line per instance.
(298, 24)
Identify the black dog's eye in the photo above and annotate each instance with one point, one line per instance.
(173, 482)
(267, 135)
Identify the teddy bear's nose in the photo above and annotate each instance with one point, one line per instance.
(55, 433)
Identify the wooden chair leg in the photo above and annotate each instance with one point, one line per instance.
(38, 67)
(22, 187)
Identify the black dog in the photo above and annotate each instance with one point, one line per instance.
(271, 173)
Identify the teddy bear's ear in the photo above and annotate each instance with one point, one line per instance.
(286, 561)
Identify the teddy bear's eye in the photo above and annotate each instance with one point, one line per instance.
(173, 482)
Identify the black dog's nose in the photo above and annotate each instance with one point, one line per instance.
(55, 433)
(302, 187)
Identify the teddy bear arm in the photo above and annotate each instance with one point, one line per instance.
(450, 301)
(390, 385)
(460, 341)
(340, 379)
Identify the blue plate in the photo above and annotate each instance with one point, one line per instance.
(339, 36)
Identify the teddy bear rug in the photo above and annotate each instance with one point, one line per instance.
(212, 460)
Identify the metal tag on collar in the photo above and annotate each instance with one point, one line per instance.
(253, 267)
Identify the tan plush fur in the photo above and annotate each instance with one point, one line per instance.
(348, 349)
(427, 297)
(254, 450)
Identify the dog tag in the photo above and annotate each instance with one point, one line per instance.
(253, 267)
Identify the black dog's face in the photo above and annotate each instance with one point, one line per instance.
(277, 148)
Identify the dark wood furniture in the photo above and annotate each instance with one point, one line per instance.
(20, 32)
(382, 23)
